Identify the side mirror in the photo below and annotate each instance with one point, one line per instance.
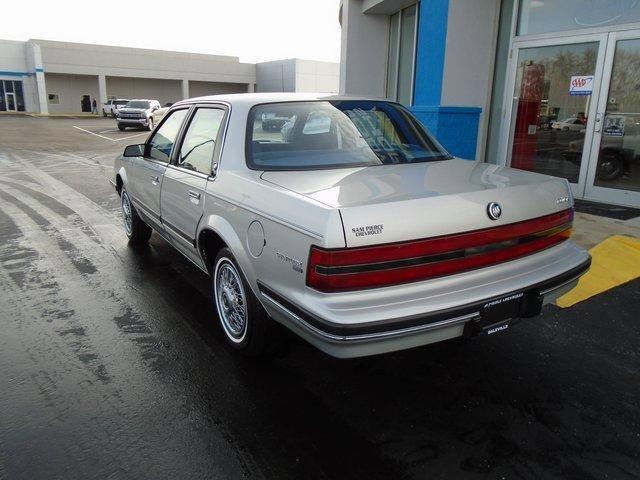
(134, 150)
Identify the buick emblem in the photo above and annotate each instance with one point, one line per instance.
(494, 210)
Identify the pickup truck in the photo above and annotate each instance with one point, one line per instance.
(111, 107)
(138, 113)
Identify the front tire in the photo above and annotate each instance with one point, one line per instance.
(122, 128)
(244, 322)
(137, 231)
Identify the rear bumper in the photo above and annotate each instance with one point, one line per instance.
(345, 340)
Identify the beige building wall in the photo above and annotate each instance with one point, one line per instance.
(200, 89)
(70, 89)
(154, 89)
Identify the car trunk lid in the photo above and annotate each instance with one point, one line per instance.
(395, 203)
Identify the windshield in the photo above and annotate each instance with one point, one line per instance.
(317, 135)
(120, 102)
(138, 104)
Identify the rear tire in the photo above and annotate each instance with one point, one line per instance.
(137, 231)
(122, 128)
(245, 324)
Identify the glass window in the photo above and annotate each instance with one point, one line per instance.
(54, 98)
(196, 152)
(619, 155)
(138, 104)
(401, 56)
(17, 87)
(550, 122)
(3, 105)
(161, 144)
(392, 61)
(407, 54)
(317, 135)
(542, 16)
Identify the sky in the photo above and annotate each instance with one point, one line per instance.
(254, 30)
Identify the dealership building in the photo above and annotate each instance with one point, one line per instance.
(43, 76)
(550, 86)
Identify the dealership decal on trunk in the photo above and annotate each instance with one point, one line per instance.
(367, 230)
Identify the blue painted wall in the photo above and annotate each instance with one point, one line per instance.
(455, 127)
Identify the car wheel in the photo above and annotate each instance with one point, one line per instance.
(122, 128)
(565, 129)
(150, 124)
(104, 114)
(134, 227)
(610, 166)
(245, 324)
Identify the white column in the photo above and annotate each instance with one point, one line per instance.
(102, 91)
(250, 87)
(185, 89)
(41, 86)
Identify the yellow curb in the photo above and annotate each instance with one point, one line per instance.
(615, 261)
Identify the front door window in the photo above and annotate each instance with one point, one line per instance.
(552, 103)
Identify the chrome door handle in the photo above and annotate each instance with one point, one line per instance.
(155, 179)
(193, 194)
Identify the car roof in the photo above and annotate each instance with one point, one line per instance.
(250, 99)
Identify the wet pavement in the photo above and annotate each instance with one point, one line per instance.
(113, 365)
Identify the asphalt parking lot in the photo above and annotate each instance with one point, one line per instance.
(113, 365)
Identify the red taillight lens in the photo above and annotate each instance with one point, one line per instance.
(367, 267)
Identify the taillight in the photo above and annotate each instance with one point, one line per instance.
(332, 270)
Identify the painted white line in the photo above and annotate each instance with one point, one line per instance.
(132, 136)
(96, 134)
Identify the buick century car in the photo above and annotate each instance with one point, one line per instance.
(356, 229)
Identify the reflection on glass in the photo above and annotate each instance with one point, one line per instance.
(619, 155)
(541, 16)
(551, 120)
(392, 62)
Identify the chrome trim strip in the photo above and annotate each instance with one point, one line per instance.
(372, 336)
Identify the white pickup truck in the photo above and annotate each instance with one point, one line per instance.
(112, 106)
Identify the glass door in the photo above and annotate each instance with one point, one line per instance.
(555, 85)
(10, 101)
(614, 170)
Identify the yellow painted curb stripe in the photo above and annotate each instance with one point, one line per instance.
(615, 261)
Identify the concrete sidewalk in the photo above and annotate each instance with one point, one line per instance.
(589, 230)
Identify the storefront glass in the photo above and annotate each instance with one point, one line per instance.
(543, 16)
(11, 96)
(619, 155)
(550, 118)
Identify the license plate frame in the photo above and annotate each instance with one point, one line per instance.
(497, 315)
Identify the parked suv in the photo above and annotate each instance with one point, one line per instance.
(356, 229)
(137, 113)
(112, 106)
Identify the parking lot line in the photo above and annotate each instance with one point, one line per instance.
(96, 134)
(132, 136)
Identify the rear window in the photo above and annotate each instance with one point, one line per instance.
(336, 134)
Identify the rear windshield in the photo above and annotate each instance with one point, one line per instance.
(138, 104)
(336, 134)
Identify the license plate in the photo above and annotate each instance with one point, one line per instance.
(496, 315)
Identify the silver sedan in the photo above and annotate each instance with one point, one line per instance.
(352, 227)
